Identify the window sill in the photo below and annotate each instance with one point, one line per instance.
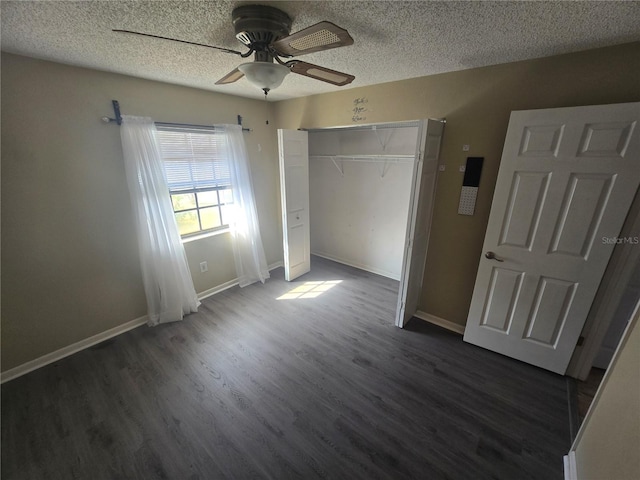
(193, 238)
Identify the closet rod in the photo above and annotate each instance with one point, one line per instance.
(378, 126)
(118, 120)
(382, 126)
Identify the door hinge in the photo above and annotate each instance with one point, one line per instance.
(580, 341)
(401, 305)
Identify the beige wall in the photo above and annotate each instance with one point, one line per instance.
(70, 266)
(608, 443)
(476, 104)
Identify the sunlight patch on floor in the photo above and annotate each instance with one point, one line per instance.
(309, 290)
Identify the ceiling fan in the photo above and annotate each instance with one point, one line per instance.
(265, 31)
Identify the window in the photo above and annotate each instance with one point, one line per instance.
(198, 178)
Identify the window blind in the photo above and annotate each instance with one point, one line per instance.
(192, 158)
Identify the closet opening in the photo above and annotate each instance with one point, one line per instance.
(359, 194)
(369, 196)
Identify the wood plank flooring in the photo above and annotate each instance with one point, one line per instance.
(252, 387)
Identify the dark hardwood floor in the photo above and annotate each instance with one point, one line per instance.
(252, 387)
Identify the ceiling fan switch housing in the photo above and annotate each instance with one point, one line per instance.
(260, 24)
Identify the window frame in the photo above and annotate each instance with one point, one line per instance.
(219, 206)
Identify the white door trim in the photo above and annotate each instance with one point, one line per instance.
(570, 458)
(623, 261)
(570, 471)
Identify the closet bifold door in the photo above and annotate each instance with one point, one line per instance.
(419, 222)
(293, 148)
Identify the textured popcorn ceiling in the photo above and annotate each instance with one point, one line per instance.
(394, 40)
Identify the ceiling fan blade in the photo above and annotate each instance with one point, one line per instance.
(320, 73)
(233, 76)
(321, 36)
(227, 50)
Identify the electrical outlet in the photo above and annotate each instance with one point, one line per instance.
(463, 168)
(465, 148)
(204, 267)
(441, 168)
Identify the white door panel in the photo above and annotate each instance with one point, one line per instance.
(294, 191)
(567, 178)
(297, 250)
(419, 224)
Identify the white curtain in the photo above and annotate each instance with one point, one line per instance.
(165, 273)
(251, 263)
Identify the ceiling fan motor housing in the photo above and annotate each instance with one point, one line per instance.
(258, 25)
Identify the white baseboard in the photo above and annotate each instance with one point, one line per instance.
(39, 362)
(275, 265)
(441, 322)
(70, 350)
(231, 283)
(570, 469)
(366, 268)
(218, 289)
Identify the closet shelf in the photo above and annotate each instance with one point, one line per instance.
(383, 161)
(367, 158)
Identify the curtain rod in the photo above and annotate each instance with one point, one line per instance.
(118, 120)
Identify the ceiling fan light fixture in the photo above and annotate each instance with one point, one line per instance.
(264, 75)
(264, 30)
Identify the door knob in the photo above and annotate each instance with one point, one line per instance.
(492, 256)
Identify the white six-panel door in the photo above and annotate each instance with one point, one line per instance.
(567, 178)
(293, 146)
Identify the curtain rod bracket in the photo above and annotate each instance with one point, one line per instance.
(240, 123)
(116, 111)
